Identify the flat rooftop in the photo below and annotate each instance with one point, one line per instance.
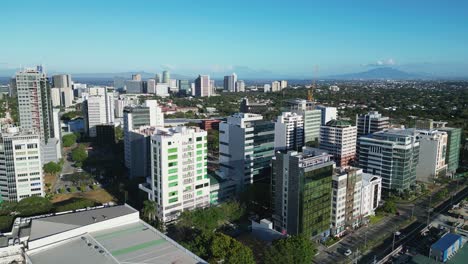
(133, 243)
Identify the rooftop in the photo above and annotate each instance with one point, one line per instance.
(446, 241)
(338, 123)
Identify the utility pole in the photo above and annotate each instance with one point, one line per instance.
(412, 211)
(393, 243)
(365, 240)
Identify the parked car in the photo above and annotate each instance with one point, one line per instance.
(348, 252)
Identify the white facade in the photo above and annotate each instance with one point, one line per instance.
(432, 155)
(328, 113)
(346, 199)
(275, 86)
(339, 139)
(66, 96)
(371, 194)
(148, 114)
(266, 88)
(95, 113)
(179, 179)
(151, 86)
(230, 82)
(162, 89)
(203, 86)
(240, 86)
(20, 165)
(55, 96)
(289, 132)
(284, 84)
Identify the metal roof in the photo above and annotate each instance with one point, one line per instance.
(445, 242)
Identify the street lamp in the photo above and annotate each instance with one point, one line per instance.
(393, 243)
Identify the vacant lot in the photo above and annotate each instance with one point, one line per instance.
(100, 196)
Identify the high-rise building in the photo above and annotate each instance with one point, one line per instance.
(371, 122)
(328, 113)
(202, 86)
(136, 77)
(240, 85)
(62, 81)
(284, 84)
(151, 86)
(55, 97)
(391, 154)
(179, 180)
(338, 138)
(212, 87)
(138, 151)
(162, 89)
(301, 192)
(134, 86)
(453, 148)
(184, 86)
(346, 199)
(230, 83)
(275, 86)
(246, 146)
(123, 100)
(35, 110)
(432, 154)
(289, 132)
(267, 88)
(20, 164)
(66, 96)
(166, 76)
(173, 86)
(312, 118)
(158, 78)
(148, 114)
(98, 109)
(426, 124)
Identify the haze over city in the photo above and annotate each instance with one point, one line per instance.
(255, 39)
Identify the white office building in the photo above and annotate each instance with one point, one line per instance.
(20, 164)
(346, 199)
(312, 118)
(289, 132)
(275, 86)
(136, 116)
(432, 155)
(179, 179)
(246, 146)
(371, 193)
(98, 109)
(230, 82)
(328, 113)
(203, 86)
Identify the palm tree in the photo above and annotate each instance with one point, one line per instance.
(149, 210)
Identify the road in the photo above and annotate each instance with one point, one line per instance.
(412, 232)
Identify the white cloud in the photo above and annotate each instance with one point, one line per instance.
(385, 62)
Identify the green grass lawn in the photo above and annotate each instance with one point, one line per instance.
(376, 218)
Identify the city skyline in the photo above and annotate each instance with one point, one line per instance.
(261, 40)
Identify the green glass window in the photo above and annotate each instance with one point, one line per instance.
(172, 150)
(173, 184)
(173, 177)
(172, 157)
(199, 145)
(173, 200)
(174, 170)
(199, 192)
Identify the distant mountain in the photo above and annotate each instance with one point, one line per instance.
(125, 75)
(384, 73)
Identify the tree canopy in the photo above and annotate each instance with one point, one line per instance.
(69, 140)
(52, 167)
(290, 250)
(79, 154)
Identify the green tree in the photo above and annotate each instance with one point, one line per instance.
(389, 207)
(225, 249)
(69, 140)
(213, 140)
(52, 168)
(73, 204)
(149, 210)
(34, 205)
(79, 154)
(291, 250)
(119, 135)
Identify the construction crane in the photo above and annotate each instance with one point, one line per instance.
(310, 92)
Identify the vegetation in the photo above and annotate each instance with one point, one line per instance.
(149, 210)
(79, 154)
(213, 140)
(219, 248)
(73, 204)
(209, 219)
(71, 115)
(52, 168)
(389, 207)
(294, 249)
(69, 140)
(119, 134)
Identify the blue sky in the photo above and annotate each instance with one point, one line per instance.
(284, 38)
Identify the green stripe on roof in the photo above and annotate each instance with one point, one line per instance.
(138, 247)
(118, 233)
